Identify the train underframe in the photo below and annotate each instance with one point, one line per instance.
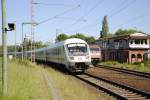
(71, 67)
(78, 67)
(95, 61)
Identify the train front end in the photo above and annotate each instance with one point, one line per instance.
(78, 55)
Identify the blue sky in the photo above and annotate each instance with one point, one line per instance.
(76, 16)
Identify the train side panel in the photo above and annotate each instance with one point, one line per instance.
(56, 55)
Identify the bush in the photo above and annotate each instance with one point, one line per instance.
(137, 63)
(147, 63)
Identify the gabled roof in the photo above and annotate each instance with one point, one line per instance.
(127, 36)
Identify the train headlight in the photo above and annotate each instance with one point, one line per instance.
(72, 58)
(87, 57)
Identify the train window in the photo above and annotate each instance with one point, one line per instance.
(94, 49)
(77, 47)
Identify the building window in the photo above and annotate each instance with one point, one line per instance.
(142, 41)
(139, 56)
(137, 41)
(133, 56)
(145, 41)
(131, 42)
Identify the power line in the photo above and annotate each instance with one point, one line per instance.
(59, 15)
(113, 14)
(69, 18)
(135, 18)
(98, 18)
(92, 9)
(118, 6)
(52, 4)
(88, 26)
(123, 8)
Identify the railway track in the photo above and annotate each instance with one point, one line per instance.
(137, 73)
(115, 89)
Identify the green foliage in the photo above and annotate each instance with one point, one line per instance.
(63, 37)
(78, 35)
(69, 88)
(90, 39)
(26, 78)
(105, 29)
(27, 44)
(137, 63)
(147, 62)
(138, 66)
(125, 31)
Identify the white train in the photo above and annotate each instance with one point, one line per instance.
(73, 53)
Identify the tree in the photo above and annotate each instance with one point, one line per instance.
(90, 39)
(35, 44)
(62, 37)
(105, 30)
(125, 31)
(78, 35)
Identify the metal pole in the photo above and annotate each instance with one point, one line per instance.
(15, 42)
(31, 44)
(32, 30)
(22, 41)
(4, 43)
(25, 49)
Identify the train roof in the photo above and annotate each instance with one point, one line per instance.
(74, 40)
(68, 41)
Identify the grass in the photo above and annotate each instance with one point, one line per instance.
(135, 67)
(71, 89)
(25, 82)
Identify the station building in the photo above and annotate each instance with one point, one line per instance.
(126, 48)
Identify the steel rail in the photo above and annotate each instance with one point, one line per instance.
(137, 73)
(118, 90)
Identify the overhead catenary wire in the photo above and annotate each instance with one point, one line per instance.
(118, 6)
(92, 25)
(70, 18)
(122, 3)
(52, 4)
(110, 16)
(128, 21)
(44, 21)
(134, 19)
(122, 8)
(87, 14)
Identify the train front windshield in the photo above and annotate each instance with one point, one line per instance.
(77, 48)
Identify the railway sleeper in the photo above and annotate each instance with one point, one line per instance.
(120, 92)
(136, 98)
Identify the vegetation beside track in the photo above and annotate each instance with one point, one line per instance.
(71, 89)
(136, 67)
(26, 82)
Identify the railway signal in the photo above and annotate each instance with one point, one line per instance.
(4, 45)
(11, 26)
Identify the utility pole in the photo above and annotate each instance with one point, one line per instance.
(32, 32)
(25, 46)
(4, 44)
(15, 41)
(22, 41)
(56, 35)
